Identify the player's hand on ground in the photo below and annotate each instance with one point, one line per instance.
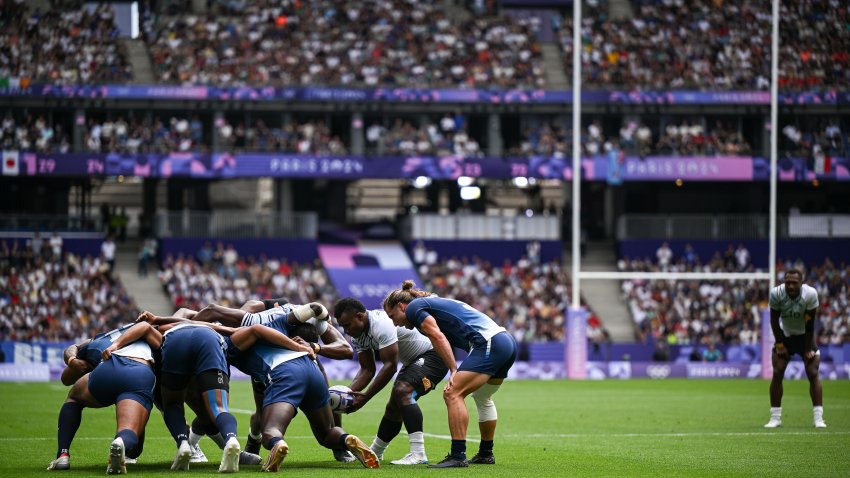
(360, 399)
(107, 354)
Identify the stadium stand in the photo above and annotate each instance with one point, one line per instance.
(708, 45)
(725, 312)
(48, 297)
(65, 45)
(402, 44)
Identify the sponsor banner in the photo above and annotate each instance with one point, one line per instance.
(246, 165)
(24, 372)
(423, 95)
(661, 371)
(370, 284)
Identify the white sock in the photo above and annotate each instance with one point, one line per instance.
(255, 436)
(379, 446)
(417, 442)
(218, 439)
(194, 438)
(818, 412)
(776, 412)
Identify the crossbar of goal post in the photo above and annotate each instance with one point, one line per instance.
(575, 353)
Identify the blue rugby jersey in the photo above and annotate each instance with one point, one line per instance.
(464, 326)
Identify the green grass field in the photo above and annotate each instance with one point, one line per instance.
(609, 428)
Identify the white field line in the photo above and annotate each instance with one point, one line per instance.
(520, 435)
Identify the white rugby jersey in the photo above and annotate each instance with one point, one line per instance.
(270, 315)
(383, 333)
(792, 312)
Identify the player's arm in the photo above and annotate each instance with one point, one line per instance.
(430, 329)
(389, 360)
(76, 367)
(366, 372)
(141, 331)
(73, 350)
(220, 329)
(245, 337)
(778, 335)
(809, 342)
(334, 345)
(152, 319)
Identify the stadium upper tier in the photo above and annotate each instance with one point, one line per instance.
(663, 45)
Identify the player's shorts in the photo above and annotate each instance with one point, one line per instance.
(494, 359)
(298, 382)
(423, 373)
(192, 350)
(794, 344)
(121, 378)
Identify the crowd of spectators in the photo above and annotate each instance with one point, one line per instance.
(33, 133)
(141, 136)
(728, 312)
(66, 45)
(219, 275)
(388, 42)
(711, 45)
(445, 137)
(692, 139)
(48, 295)
(821, 141)
(635, 138)
(308, 137)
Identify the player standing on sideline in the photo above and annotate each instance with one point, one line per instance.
(797, 304)
(492, 352)
(122, 375)
(373, 331)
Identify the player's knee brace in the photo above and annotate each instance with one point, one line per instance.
(484, 402)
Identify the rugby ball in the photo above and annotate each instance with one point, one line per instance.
(341, 398)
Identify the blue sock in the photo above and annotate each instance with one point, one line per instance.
(271, 442)
(131, 440)
(486, 447)
(70, 416)
(342, 442)
(226, 424)
(459, 449)
(175, 421)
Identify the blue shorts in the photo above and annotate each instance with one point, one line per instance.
(121, 378)
(298, 382)
(495, 359)
(192, 350)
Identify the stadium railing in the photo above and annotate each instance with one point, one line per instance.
(49, 222)
(436, 226)
(237, 224)
(689, 226)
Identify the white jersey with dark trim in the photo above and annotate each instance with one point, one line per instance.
(270, 315)
(383, 333)
(792, 312)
